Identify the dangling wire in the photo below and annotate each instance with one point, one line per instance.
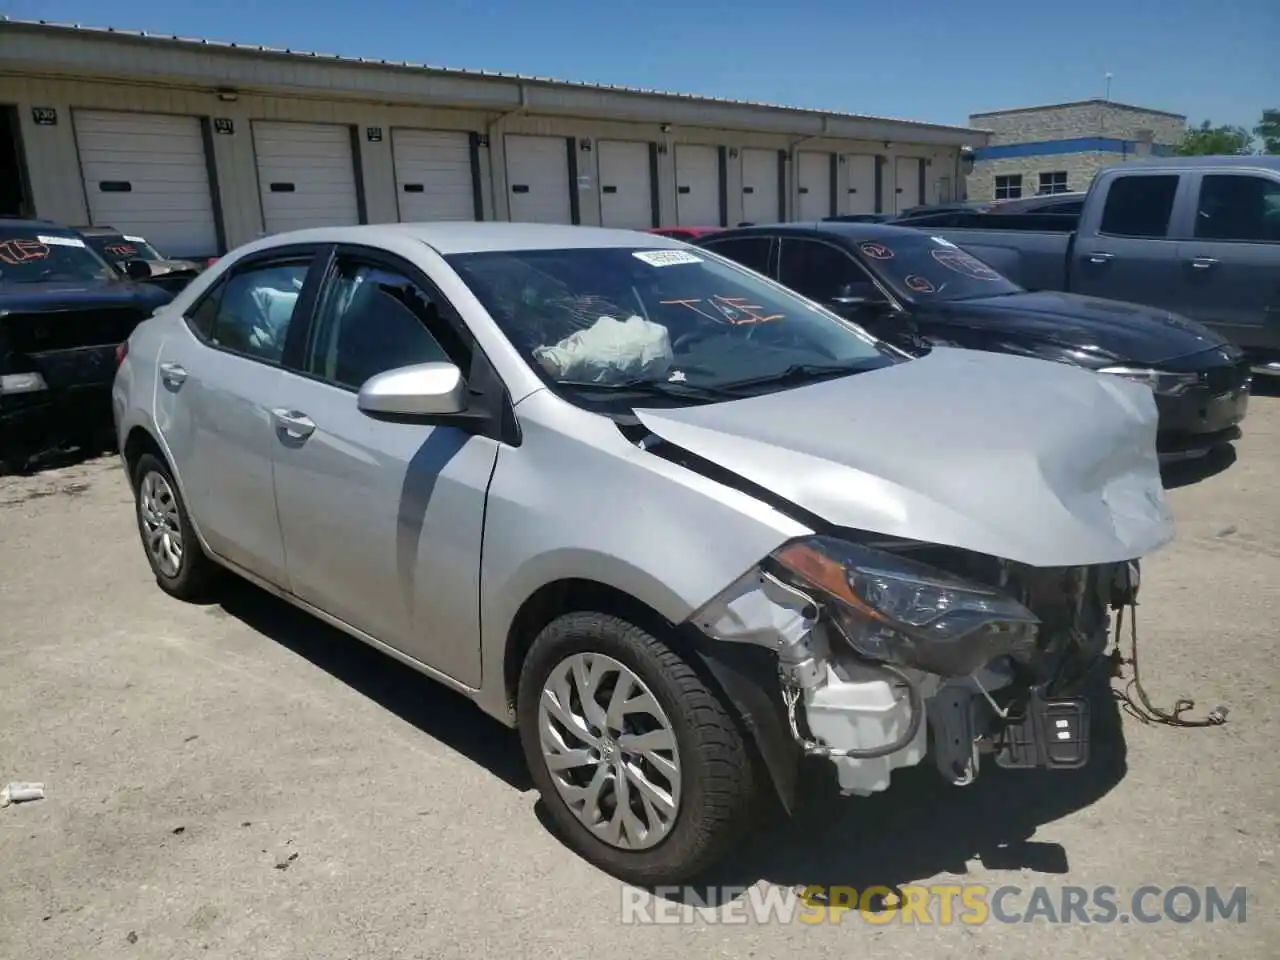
(1133, 698)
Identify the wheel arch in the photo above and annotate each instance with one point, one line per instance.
(745, 678)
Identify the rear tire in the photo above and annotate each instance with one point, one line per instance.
(651, 785)
(169, 541)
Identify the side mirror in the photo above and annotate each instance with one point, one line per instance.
(420, 390)
(136, 269)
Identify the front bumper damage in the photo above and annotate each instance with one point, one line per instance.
(869, 718)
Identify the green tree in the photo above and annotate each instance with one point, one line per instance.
(1268, 131)
(1208, 140)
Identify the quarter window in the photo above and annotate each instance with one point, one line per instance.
(1139, 206)
(1238, 207)
(1009, 187)
(250, 311)
(751, 252)
(371, 320)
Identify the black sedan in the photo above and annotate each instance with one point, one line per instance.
(917, 291)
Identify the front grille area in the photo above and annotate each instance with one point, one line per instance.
(1218, 380)
(68, 329)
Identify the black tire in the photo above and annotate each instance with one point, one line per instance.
(196, 572)
(719, 780)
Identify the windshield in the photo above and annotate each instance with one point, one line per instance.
(922, 268)
(35, 255)
(619, 327)
(120, 248)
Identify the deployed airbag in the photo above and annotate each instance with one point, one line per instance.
(608, 351)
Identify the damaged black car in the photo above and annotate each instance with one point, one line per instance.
(63, 313)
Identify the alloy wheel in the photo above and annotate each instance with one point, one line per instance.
(161, 528)
(611, 751)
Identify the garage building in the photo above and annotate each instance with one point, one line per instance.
(201, 146)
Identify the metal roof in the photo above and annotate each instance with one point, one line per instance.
(1096, 101)
(250, 48)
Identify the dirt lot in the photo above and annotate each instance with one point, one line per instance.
(237, 780)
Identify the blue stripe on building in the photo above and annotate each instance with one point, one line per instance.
(1049, 148)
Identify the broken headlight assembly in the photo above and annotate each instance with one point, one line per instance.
(898, 611)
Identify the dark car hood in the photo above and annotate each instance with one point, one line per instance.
(62, 295)
(1115, 330)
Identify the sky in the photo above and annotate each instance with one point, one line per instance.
(913, 59)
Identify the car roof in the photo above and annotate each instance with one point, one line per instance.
(31, 223)
(853, 231)
(1257, 161)
(100, 231)
(465, 236)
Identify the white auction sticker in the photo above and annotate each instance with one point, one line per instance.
(665, 258)
(134, 239)
(61, 241)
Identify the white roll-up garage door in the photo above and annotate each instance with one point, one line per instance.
(626, 184)
(538, 179)
(906, 176)
(760, 186)
(434, 179)
(813, 187)
(306, 176)
(146, 174)
(860, 187)
(697, 185)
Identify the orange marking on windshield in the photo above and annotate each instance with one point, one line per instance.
(724, 307)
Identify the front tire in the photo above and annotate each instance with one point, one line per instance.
(643, 771)
(178, 561)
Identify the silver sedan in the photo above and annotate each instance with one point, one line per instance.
(677, 524)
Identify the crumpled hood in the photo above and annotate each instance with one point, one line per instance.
(1036, 462)
(1122, 331)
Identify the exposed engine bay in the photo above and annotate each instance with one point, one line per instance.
(892, 652)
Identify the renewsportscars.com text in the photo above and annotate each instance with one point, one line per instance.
(935, 904)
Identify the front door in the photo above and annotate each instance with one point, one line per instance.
(1228, 269)
(830, 276)
(382, 521)
(215, 383)
(1127, 252)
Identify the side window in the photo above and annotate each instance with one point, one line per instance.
(821, 272)
(751, 252)
(1139, 206)
(1238, 207)
(201, 318)
(250, 311)
(372, 320)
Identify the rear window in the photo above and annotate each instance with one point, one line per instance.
(121, 248)
(37, 255)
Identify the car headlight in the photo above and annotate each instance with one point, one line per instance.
(12, 383)
(1159, 381)
(907, 613)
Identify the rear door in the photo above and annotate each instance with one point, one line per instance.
(1125, 249)
(1229, 263)
(218, 377)
(382, 521)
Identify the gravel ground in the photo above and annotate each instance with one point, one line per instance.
(237, 780)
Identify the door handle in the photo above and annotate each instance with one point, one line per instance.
(295, 424)
(1203, 263)
(1101, 257)
(174, 373)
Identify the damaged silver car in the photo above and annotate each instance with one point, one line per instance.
(680, 526)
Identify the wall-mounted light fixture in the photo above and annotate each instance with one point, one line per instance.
(228, 94)
(665, 128)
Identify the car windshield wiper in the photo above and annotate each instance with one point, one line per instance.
(654, 388)
(796, 373)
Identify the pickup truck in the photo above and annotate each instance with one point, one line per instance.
(1198, 236)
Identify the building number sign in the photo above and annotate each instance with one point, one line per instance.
(224, 125)
(374, 134)
(44, 116)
